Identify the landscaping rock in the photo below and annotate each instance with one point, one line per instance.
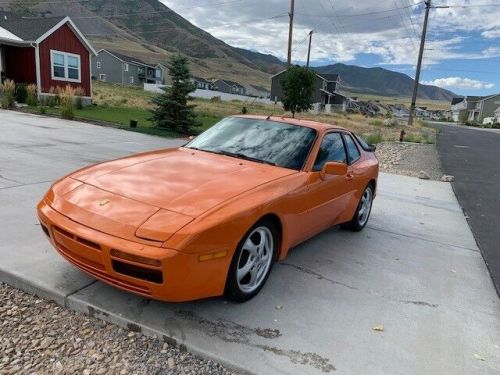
(423, 175)
(447, 178)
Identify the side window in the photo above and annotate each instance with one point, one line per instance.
(352, 149)
(331, 149)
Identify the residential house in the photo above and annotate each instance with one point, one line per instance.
(497, 115)
(229, 87)
(422, 112)
(257, 91)
(484, 107)
(325, 95)
(161, 75)
(201, 83)
(49, 52)
(460, 107)
(115, 67)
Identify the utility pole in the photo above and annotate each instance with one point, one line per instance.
(309, 49)
(419, 63)
(290, 32)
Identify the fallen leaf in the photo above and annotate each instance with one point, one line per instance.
(479, 357)
(379, 328)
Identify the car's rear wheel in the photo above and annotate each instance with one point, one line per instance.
(363, 211)
(252, 261)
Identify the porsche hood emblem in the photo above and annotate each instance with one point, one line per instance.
(104, 202)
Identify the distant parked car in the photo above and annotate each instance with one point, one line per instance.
(211, 217)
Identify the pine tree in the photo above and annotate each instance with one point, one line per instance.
(172, 110)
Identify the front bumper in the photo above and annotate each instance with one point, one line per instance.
(152, 272)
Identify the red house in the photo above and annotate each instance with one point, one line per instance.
(49, 52)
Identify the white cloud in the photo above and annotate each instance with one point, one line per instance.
(344, 29)
(460, 83)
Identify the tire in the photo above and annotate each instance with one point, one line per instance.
(253, 261)
(362, 214)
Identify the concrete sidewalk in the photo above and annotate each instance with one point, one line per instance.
(415, 269)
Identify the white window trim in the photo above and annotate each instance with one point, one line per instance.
(98, 64)
(125, 67)
(101, 77)
(66, 55)
(131, 79)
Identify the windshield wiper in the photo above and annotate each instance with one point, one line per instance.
(243, 156)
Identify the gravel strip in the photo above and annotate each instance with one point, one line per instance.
(409, 159)
(41, 337)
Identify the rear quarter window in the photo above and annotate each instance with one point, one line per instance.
(352, 150)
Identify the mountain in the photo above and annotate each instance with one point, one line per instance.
(379, 81)
(152, 32)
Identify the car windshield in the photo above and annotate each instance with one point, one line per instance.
(266, 141)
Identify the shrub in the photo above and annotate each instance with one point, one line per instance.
(373, 138)
(32, 98)
(67, 96)
(244, 110)
(21, 93)
(42, 110)
(79, 100)
(8, 89)
(215, 99)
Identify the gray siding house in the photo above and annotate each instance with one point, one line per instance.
(229, 87)
(257, 91)
(485, 107)
(325, 96)
(115, 67)
(201, 83)
(460, 107)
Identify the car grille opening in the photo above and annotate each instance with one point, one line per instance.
(45, 230)
(83, 241)
(137, 272)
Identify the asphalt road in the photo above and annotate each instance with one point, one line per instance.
(473, 157)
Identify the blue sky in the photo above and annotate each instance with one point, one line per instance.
(462, 50)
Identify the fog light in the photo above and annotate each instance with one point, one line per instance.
(216, 255)
(135, 258)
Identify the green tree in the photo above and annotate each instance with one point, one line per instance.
(298, 87)
(172, 110)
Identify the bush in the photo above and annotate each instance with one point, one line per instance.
(373, 138)
(8, 90)
(67, 97)
(32, 98)
(42, 110)
(21, 93)
(79, 100)
(244, 110)
(215, 99)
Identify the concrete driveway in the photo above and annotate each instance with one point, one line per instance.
(415, 269)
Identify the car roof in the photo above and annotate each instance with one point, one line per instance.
(319, 126)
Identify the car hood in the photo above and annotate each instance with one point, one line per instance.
(180, 180)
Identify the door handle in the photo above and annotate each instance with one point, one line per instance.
(349, 176)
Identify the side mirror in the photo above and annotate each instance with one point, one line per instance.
(333, 168)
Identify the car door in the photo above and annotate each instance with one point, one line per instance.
(328, 195)
(355, 175)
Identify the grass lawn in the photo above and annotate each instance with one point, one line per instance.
(121, 116)
(118, 104)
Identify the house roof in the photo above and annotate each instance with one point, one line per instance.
(457, 100)
(473, 98)
(125, 58)
(27, 29)
(259, 88)
(231, 83)
(199, 79)
(329, 77)
(24, 30)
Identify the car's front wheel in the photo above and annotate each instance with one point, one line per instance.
(363, 211)
(252, 261)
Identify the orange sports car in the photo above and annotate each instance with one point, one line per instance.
(211, 217)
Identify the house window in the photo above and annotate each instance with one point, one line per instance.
(102, 77)
(158, 73)
(98, 65)
(125, 67)
(131, 79)
(65, 66)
